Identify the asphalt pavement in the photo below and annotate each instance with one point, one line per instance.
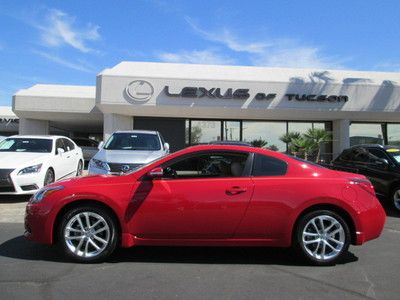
(33, 271)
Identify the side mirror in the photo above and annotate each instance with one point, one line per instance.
(101, 144)
(60, 151)
(382, 163)
(156, 173)
(166, 147)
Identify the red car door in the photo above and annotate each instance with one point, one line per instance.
(203, 196)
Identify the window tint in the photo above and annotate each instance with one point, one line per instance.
(268, 166)
(207, 165)
(26, 145)
(361, 155)
(133, 141)
(69, 145)
(347, 155)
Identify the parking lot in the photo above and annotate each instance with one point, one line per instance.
(29, 270)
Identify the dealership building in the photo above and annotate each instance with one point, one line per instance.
(191, 104)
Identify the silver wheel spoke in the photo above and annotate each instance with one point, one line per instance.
(87, 247)
(100, 230)
(73, 229)
(78, 217)
(78, 248)
(94, 244)
(87, 220)
(312, 241)
(95, 224)
(330, 246)
(329, 227)
(75, 237)
(310, 234)
(336, 241)
(100, 239)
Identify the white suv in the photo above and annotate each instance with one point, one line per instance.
(126, 151)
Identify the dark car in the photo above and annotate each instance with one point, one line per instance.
(381, 164)
(89, 147)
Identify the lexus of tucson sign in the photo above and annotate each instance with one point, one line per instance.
(243, 94)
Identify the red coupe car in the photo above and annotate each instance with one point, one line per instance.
(214, 195)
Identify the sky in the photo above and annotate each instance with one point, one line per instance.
(69, 42)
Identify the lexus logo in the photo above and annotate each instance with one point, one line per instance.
(139, 90)
(125, 168)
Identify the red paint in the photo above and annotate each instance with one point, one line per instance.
(247, 211)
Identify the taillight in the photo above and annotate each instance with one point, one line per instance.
(365, 184)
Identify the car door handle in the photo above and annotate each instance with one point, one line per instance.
(235, 190)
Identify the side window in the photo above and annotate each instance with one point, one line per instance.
(68, 145)
(361, 155)
(268, 166)
(60, 144)
(347, 155)
(376, 153)
(207, 165)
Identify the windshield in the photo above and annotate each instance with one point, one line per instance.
(133, 141)
(394, 153)
(26, 145)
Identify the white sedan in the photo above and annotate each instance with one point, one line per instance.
(27, 163)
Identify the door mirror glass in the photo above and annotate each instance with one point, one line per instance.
(100, 145)
(60, 151)
(166, 147)
(156, 173)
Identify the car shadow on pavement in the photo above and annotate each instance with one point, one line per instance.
(14, 198)
(20, 248)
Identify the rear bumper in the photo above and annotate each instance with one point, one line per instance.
(370, 223)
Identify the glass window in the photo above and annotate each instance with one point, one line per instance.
(133, 141)
(207, 165)
(366, 133)
(319, 125)
(60, 144)
(301, 127)
(268, 132)
(231, 130)
(378, 154)
(205, 131)
(26, 145)
(268, 166)
(393, 133)
(69, 145)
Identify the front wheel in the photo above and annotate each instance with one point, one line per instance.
(79, 169)
(322, 237)
(88, 234)
(49, 177)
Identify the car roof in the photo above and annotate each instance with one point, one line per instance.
(226, 142)
(376, 146)
(49, 137)
(137, 131)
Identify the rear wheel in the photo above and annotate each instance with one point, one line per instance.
(396, 197)
(322, 237)
(88, 234)
(49, 177)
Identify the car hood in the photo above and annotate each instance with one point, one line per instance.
(128, 156)
(13, 160)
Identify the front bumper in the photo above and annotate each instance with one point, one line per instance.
(37, 224)
(27, 184)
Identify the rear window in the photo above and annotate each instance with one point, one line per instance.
(268, 166)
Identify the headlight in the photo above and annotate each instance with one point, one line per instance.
(44, 192)
(31, 169)
(100, 164)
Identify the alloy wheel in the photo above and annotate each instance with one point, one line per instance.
(323, 237)
(396, 199)
(87, 234)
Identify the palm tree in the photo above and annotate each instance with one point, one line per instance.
(303, 144)
(318, 137)
(288, 137)
(260, 143)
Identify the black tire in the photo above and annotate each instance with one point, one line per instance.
(79, 169)
(395, 198)
(311, 242)
(82, 249)
(49, 177)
